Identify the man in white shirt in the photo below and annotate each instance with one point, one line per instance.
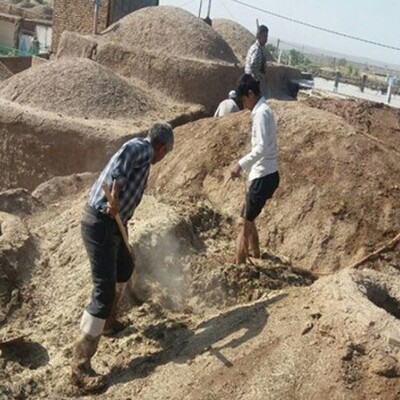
(261, 165)
(227, 106)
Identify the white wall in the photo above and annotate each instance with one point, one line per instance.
(43, 34)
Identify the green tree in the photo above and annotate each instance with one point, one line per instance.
(298, 59)
(350, 70)
(273, 50)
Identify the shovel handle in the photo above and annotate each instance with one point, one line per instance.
(117, 217)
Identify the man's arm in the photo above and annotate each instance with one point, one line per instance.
(260, 125)
(113, 206)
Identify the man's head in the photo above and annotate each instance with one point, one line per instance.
(262, 35)
(248, 91)
(161, 138)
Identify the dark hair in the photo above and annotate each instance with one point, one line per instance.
(246, 83)
(262, 29)
(161, 132)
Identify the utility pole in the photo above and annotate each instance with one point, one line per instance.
(280, 56)
(391, 80)
(209, 9)
(97, 5)
(200, 8)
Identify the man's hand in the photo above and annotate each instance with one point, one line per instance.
(113, 206)
(235, 171)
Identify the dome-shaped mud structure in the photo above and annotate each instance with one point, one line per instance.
(171, 31)
(237, 36)
(76, 87)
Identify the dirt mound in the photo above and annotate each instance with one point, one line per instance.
(237, 36)
(376, 120)
(332, 207)
(203, 314)
(4, 72)
(19, 201)
(16, 250)
(171, 31)
(61, 187)
(78, 87)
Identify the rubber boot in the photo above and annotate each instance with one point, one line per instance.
(113, 326)
(82, 374)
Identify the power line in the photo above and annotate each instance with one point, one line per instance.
(227, 10)
(317, 27)
(184, 4)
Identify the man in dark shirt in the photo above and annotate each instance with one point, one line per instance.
(111, 263)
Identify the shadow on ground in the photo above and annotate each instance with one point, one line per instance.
(213, 335)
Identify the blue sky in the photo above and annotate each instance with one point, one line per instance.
(375, 20)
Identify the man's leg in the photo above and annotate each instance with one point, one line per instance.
(253, 240)
(260, 190)
(125, 266)
(97, 235)
(241, 242)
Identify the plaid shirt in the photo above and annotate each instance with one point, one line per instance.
(255, 61)
(130, 167)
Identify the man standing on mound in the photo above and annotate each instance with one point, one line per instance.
(111, 262)
(261, 164)
(257, 57)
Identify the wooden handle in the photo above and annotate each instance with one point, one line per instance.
(387, 246)
(117, 216)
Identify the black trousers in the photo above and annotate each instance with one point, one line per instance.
(260, 190)
(110, 260)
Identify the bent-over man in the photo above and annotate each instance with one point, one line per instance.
(261, 165)
(111, 262)
(227, 106)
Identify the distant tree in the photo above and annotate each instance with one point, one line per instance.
(273, 50)
(342, 62)
(298, 59)
(350, 70)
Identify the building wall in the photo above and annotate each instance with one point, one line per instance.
(8, 33)
(76, 16)
(120, 8)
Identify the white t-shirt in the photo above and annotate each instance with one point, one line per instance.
(226, 107)
(263, 158)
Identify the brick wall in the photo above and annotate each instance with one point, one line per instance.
(76, 16)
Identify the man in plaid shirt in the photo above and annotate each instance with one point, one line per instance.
(256, 57)
(111, 263)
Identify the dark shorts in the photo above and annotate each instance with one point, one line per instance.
(259, 192)
(110, 260)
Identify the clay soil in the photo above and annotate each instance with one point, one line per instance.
(296, 324)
